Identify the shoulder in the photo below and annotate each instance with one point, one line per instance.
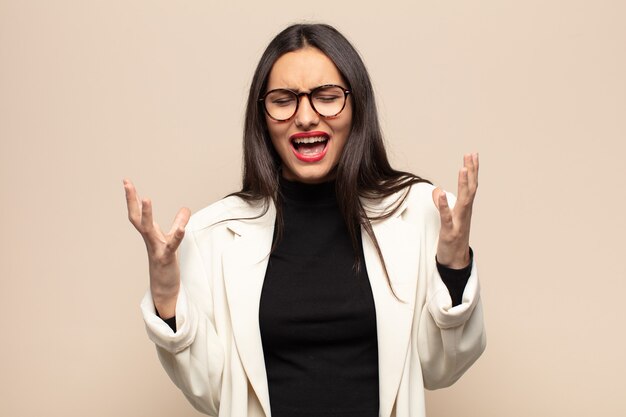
(415, 198)
(420, 194)
(220, 212)
(418, 204)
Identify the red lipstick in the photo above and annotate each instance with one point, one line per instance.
(309, 150)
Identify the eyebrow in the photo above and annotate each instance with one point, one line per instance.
(301, 91)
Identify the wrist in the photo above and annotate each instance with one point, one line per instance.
(458, 260)
(164, 300)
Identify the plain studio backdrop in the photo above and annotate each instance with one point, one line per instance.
(95, 91)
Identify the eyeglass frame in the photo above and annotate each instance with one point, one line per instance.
(298, 95)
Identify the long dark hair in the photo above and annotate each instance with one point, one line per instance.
(363, 169)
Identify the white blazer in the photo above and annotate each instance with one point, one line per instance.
(216, 356)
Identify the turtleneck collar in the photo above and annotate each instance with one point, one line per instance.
(308, 193)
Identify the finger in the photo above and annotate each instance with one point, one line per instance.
(475, 182)
(177, 232)
(180, 221)
(468, 161)
(475, 157)
(436, 193)
(132, 203)
(472, 166)
(146, 215)
(174, 240)
(445, 213)
(464, 194)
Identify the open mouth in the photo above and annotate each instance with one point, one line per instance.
(310, 148)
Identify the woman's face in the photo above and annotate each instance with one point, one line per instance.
(313, 162)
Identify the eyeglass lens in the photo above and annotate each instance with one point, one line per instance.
(327, 101)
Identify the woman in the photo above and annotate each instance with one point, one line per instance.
(331, 284)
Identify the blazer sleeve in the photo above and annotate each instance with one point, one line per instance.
(450, 338)
(193, 356)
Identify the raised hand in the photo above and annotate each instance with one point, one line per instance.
(162, 259)
(453, 246)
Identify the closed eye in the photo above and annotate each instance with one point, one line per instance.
(327, 99)
(283, 101)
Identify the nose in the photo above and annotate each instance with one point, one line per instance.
(306, 117)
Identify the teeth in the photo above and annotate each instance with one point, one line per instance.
(310, 140)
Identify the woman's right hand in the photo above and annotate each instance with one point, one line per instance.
(162, 259)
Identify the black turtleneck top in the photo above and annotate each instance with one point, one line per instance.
(317, 316)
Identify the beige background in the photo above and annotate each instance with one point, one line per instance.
(94, 91)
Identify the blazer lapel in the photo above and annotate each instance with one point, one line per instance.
(245, 263)
(394, 318)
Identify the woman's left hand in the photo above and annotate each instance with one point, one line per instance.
(453, 246)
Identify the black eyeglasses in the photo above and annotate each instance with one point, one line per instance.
(326, 100)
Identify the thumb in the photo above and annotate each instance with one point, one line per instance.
(437, 192)
(180, 221)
